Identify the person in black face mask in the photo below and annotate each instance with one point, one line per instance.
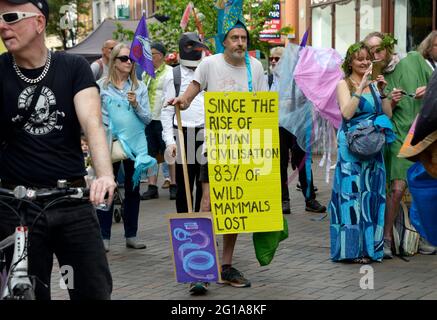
(191, 53)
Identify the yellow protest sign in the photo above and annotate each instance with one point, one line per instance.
(242, 141)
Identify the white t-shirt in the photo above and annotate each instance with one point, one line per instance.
(193, 117)
(95, 68)
(214, 74)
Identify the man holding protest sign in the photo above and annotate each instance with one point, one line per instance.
(231, 71)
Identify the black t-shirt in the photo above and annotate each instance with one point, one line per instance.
(47, 147)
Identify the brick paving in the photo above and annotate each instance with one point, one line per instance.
(301, 269)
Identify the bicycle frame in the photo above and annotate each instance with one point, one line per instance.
(18, 283)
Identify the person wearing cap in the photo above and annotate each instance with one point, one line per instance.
(42, 146)
(191, 54)
(225, 72)
(156, 146)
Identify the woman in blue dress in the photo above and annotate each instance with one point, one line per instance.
(358, 197)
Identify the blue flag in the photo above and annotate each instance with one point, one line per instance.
(140, 50)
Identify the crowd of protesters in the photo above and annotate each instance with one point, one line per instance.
(366, 194)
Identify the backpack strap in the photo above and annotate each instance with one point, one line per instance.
(270, 78)
(378, 107)
(100, 62)
(177, 79)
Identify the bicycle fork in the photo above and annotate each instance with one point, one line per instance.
(18, 277)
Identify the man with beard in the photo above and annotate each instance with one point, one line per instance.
(225, 72)
(407, 80)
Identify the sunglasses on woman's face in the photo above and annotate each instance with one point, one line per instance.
(13, 17)
(124, 58)
(276, 59)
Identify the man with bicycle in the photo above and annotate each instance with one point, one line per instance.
(41, 144)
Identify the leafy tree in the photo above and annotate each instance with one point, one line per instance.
(168, 33)
(257, 12)
(121, 34)
(63, 20)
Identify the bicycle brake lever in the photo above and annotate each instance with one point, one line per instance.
(78, 195)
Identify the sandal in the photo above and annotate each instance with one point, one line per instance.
(363, 260)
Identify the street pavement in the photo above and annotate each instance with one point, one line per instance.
(301, 269)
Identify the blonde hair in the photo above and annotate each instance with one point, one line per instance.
(112, 75)
(277, 51)
(426, 45)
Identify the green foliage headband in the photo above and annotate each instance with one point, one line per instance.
(388, 43)
(349, 56)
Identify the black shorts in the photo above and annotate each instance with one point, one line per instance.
(155, 144)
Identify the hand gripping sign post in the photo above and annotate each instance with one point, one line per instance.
(242, 140)
(192, 235)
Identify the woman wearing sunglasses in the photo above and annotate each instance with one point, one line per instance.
(126, 111)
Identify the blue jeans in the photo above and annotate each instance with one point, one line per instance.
(131, 205)
(165, 170)
(69, 230)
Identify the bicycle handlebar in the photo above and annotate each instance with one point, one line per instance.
(20, 192)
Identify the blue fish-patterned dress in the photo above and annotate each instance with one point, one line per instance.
(358, 197)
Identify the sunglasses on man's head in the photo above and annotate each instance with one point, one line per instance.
(13, 17)
(276, 59)
(123, 58)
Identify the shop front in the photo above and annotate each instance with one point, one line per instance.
(340, 23)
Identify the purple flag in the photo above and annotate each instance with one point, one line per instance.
(305, 38)
(140, 50)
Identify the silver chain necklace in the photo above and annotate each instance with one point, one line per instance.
(41, 76)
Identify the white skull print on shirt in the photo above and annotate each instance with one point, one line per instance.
(44, 118)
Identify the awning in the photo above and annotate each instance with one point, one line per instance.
(91, 46)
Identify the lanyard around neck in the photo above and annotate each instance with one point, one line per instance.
(249, 72)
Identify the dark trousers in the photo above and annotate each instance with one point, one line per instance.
(287, 143)
(131, 205)
(69, 230)
(193, 165)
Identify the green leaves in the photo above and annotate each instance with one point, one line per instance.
(62, 22)
(122, 34)
(168, 33)
(355, 48)
(388, 42)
